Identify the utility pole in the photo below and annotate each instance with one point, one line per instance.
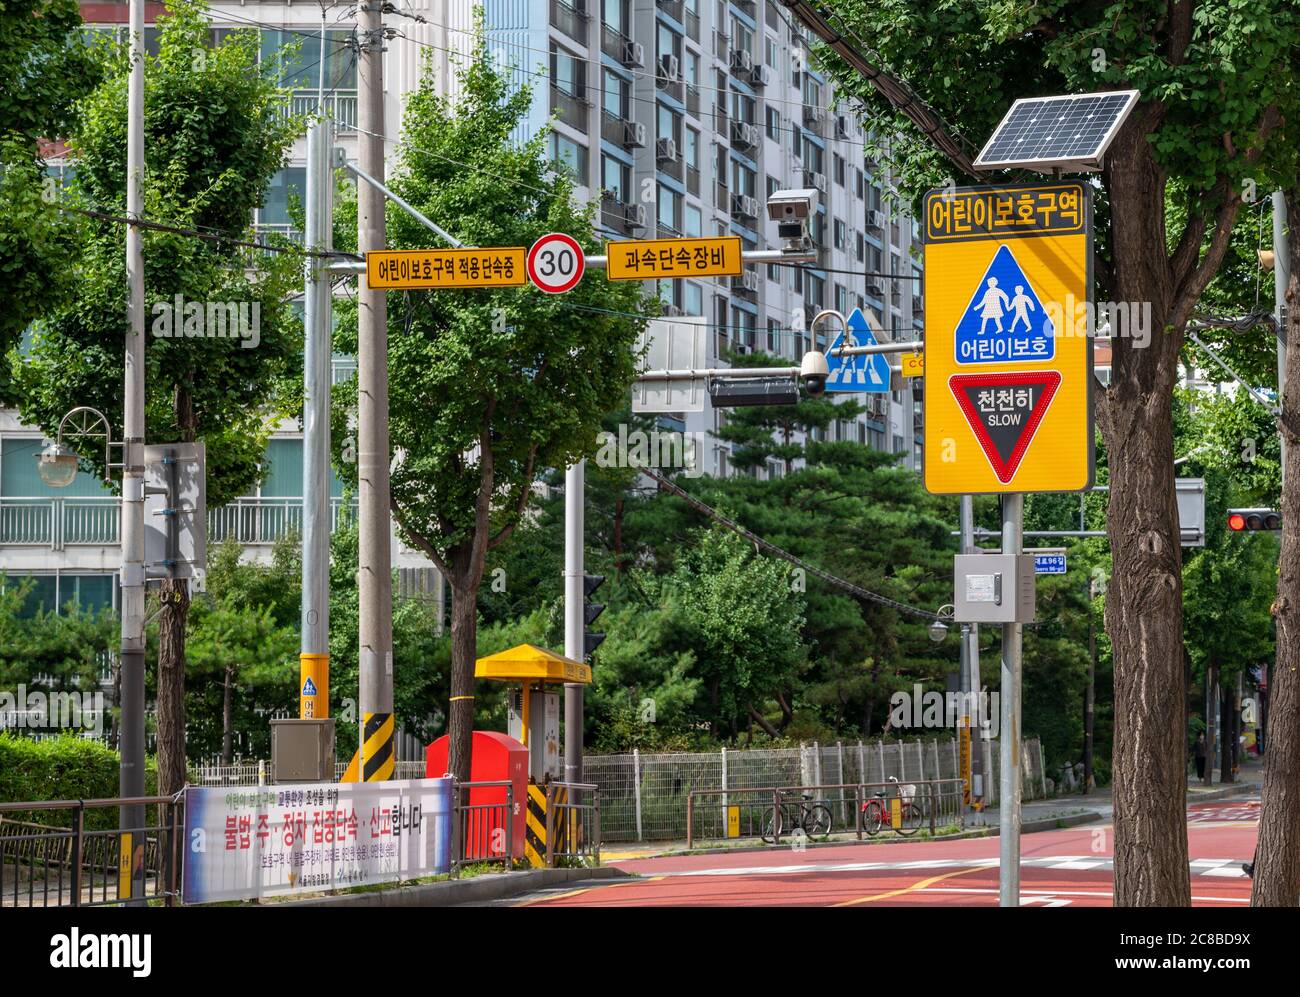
(575, 481)
(1013, 510)
(131, 784)
(375, 581)
(314, 660)
(970, 667)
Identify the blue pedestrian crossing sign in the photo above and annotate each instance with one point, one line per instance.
(1005, 320)
(309, 687)
(868, 373)
(1049, 564)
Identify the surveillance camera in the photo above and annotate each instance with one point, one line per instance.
(791, 209)
(792, 205)
(813, 372)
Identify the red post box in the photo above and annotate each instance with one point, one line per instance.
(494, 758)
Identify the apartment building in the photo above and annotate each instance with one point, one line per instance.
(677, 117)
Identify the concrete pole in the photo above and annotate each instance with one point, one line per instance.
(575, 479)
(1013, 509)
(375, 582)
(131, 779)
(314, 660)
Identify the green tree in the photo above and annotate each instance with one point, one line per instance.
(215, 134)
(48, 68)
(1216, 82)
(488, 388)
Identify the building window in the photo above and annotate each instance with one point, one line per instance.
(773, 123)
(693, 296)
(614, 95)
(616, 178)
(841, 234)
(568, 71)
(693, 220)
(773, 336)
(838, 162)
(668, 213)
(569, 155)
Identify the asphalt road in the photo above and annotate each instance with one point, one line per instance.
(1059, 868)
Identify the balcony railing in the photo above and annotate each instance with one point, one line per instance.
(59, 523)
(673, 8)
(693, 100)
(342, 107)
(613, 42)
(572, 108)
(571, 20)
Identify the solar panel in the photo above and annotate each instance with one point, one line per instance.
(1057, 132)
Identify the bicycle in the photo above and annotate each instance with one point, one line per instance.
(876, 813)
(807, 815)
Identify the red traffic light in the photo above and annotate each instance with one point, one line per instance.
(1251, 520)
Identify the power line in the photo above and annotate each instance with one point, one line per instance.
(857, 590)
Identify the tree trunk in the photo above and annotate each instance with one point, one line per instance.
(227, 716)
(464, 652)
(1144, 599)
(761, 720)
(170, 705)
(1277, 853)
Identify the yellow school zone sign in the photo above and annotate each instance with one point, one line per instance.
(1008, 364)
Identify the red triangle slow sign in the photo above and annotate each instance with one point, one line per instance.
(1004, 411)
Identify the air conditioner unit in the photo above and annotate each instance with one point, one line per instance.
(635, 215)
(743, 133)
(818, 180)
(633, 54)
(671, 67)
(742, 60)
(749, 280)
(749, 206)
(762, 75)
(841, 127)
(875, 290)
(813, 116)
(670, 311)
(634, 134)
(667, 150)
(876, 220)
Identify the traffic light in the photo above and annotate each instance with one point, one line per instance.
(590, 610)
(1253, 520)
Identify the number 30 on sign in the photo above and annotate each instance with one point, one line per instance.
(555, 263)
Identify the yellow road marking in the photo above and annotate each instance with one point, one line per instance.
(911, 889)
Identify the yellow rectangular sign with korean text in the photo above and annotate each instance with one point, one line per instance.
(416, 269)
(1008, 339)
(660, 259)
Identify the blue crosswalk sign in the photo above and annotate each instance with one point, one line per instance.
(1005, 320)
(860, 373)
(309, 687)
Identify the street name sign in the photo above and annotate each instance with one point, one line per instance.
(1008, 365)
(660, 259)
(417, 269)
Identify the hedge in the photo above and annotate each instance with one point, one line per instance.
(62, 768)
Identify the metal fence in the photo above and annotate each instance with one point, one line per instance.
(573, 832)
(483, 824)
(773, 812)
(644, 795)
(50, 858)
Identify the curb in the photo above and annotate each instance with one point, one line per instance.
(492, 886)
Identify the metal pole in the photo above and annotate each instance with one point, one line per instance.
(1013, 509)
(574, 641)
(314, 659)
(375, 583)
(970, 660)
(1281, 277)
(131, 778)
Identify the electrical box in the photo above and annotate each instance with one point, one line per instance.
(302, 750)
(543, 733)
(993, 588)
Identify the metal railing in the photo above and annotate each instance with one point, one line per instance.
(44, 864)
(484, 823)
(775, 811)
(572, 823)
(342, 107)
(58, 522)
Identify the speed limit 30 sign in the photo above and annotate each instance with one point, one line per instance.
(555, 263)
